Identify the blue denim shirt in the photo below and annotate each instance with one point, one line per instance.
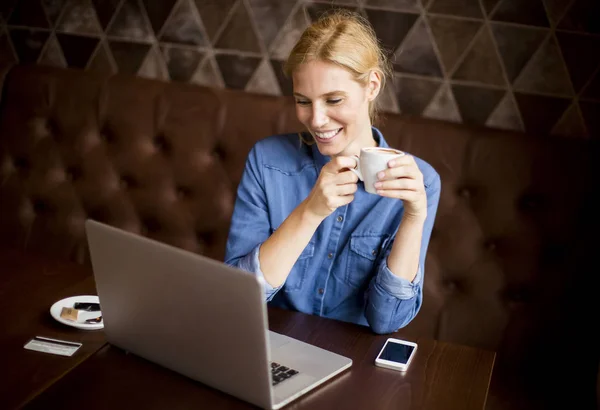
(342, 273)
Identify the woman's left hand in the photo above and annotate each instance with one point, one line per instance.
(404, 180)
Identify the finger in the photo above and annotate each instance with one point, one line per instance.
(401, 171)
(346, 189)
(341, 162)
(405, 195)
(403, 160)
(398, 184)
(346, 177)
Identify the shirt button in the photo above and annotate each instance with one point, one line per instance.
(340, 218)
(330, 255)
(374, 252)
(321, 291)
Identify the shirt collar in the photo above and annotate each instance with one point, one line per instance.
(321, 160)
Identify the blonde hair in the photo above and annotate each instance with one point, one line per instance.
(347, 39)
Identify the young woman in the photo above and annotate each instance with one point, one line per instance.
(303, 223)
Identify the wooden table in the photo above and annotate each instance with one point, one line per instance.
(29, 285)
(100, 376)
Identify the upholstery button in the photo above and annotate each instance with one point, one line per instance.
(330, 255)
(465, 193)
(21, 164)
(321, 291)
(340, 218)
(128, 182)
(183, 192)
(490, 245)
(73, 173)
(151, 224)
(450, 284)
(40, 207)
(107, 135)
(219, 152)
(162, 144)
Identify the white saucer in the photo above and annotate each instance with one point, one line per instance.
(82, 317)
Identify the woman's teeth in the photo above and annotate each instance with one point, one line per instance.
(327, 135)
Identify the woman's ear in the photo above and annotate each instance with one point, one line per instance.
(374, 85)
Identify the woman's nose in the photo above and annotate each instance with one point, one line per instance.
(318, 118)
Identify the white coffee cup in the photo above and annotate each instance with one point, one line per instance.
(371, 161)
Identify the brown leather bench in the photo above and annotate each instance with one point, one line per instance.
(512, 263)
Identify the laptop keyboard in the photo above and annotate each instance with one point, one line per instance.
(280, 373)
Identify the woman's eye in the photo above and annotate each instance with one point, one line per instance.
(333, 102)
(302, 102)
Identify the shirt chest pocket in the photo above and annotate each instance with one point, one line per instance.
(297, 276)
(363, 256)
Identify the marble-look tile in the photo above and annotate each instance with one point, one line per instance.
(53, 54)
(53, 9)
(181, 62)
(105, 10)
(591, 115)
(476, 103)
(414, 94)
(481, 64)
(391, 27)
(270, 16)
(581, 54)
(264, 80)
(583, 15)
(29, 13)
(130, 23)
(488, 5)
(239, 33)
(207, 74)
(102, 62)
(463, 8)
(77, 49)
(7, 54)
(571, 124)
(539, 112)
(401, 5)
(528, 12)
(153, 66)
(516, 45)
(289, 36)
(183, 27)
(236, 70)
(443, 106)
(213, 14)
(316, 9)
(545, 72)
(28, 43)
(79, 17)
(506, 115)
(158, 12)
(592, 90)
(285, 84)
(128, 56)
(555, 9)
(452, 37)
(416, 54)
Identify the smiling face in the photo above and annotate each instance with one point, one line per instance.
(334, 107)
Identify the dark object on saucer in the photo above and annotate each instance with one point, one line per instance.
(87, 306)
(94, 320)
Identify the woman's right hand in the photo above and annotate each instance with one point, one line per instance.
(335, 187)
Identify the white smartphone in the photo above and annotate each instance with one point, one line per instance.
(396, 354)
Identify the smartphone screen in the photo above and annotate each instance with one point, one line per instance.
(396, 352)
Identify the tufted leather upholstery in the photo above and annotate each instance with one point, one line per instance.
(511, 264)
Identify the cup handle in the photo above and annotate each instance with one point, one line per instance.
(357, 169)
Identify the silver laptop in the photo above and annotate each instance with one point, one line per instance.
(201, 318)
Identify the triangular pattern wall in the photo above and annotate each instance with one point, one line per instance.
(524, 65)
